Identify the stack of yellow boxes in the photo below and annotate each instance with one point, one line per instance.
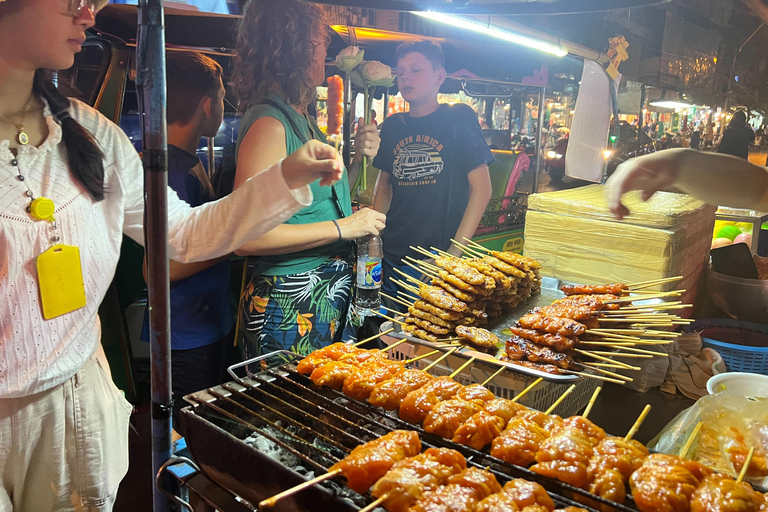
(576, 239)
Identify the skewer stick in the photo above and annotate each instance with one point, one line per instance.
(399, 301)
(591, 402)
(608, 343)
(396, 312)
(366, 340)
(270, 502)
(423, 263)
(612, 374)
(476, 245)
(620, 354)
(597, 377)
(427, 271)
(526, 390)
(615, 333)
(562, 397)
(374, 504)
(382, 315)
(461, 368)
(590, 354)
(409, 278)
(605, 365)
(641, 351)
(467, 250)
(421, 357)
(405, 286)
(423, 251)
(652, 282)
(640, 293)
(639, 421)
(433, 363)
(496, 374)
(394, 345)
(691, 438)
(441, 252)
(659, 295)
(408, 297)
(747, 462)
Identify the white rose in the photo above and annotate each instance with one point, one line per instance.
(375, 71)
(349, 58)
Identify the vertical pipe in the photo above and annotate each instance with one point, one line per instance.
(539, 132)
(640, 119)
(348, 120)
(151, 80)
(386, 106)
(211, 157)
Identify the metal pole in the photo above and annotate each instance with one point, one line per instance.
(349, 119)
(539, 132)
(151, 80)
(640, 120)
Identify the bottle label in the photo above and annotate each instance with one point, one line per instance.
(369, 274)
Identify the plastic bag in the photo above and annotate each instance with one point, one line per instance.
(731, 424)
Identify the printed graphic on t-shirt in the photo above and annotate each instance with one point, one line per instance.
(417, 159)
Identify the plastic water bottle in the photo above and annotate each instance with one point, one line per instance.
(369, 254)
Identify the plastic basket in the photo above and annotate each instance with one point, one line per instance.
(743, 345)
(503, 386)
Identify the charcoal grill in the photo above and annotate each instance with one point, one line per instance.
(314, 427)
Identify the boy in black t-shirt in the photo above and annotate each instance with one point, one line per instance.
(434, 183)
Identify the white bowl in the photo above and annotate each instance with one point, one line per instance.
(747, 384)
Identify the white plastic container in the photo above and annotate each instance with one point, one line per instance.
(742, 299)
(746, 384)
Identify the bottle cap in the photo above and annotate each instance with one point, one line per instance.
(42, 209)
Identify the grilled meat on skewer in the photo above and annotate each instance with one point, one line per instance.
(556, 341)
(429, 317)
(504, 267)
(458, 283)
(333, 374)
(599, 289)
(521, 349)
(458, 268)
(417, 404)
(596, 301)
(429, 327)
(420, 333)
(549, 422)
(666, 483)
(517, 260)
(440, 298)
(390, 393)
(445, 314)
(721, 493)
(618, 454)
(519, 442)
(579, 313)
(369, 462)
(499, 502)
(456, 292)
(363, 356)
(359, 384)
(477, 336)
(462, 492)
(447, 416)
(502, 281)
(592, 432)
(565, 456)
(479, 430)
(554, 325)
(409, 479)
(546, 368)
(325, 355)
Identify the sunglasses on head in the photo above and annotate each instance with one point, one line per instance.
(76, 7)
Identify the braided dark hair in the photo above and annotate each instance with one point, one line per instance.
(84, 156)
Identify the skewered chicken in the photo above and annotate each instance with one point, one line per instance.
(518, 348)
(390, 393)
(665, 483)
(556, 341)
(736, 449)
(519, 442)
(549, 422)
(458, 268)
(528, 494)
(596, 289)
(435, 310)
(721, 493)
(369, 462)
(618, 454)
(475, 393)
(332, 374)
(429, 317)
(448, 415)
(456, 292)
(416, 405)
(434, 329)
(565, 456)
(502, 281)
(440, 298)
(479, 430)
(325, 355)
(574, 312)
(461, 494)
(504, 267)
(409, 479)
(546, 368)
(458, 283)
(517, 260)
(593, 433)
(596, 301)
(477, 336)
(359, 384)
(419, 333)
(564, 326)
(362, 356)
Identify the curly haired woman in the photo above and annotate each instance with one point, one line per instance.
(299, 295)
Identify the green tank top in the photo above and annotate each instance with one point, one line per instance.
(328, 203)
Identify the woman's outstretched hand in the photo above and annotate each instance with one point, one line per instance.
(312, 161)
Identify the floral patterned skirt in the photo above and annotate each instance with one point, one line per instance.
(298, 312)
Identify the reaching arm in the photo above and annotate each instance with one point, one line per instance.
(383, 198)
(263, 145)
(179, 271)
(479, 195)
(714, 178)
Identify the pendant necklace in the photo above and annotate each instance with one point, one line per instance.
(39, 208)
(21, 137)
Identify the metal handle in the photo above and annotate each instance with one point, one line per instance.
(171, 462)
(231, 369)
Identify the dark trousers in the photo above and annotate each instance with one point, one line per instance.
(197, 369)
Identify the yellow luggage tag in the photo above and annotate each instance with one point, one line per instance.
(61, 280)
